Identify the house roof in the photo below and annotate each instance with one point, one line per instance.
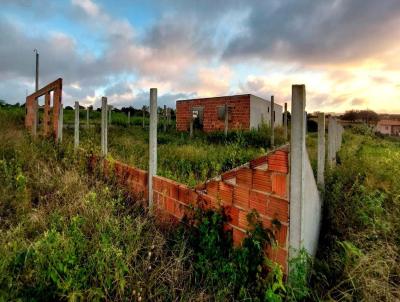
(389, 123)
(228, 98)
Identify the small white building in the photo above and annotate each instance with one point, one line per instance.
(389, 127)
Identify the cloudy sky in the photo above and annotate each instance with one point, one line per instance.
(346, 52)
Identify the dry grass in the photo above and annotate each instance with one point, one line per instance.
(359, 253)
(66, 235)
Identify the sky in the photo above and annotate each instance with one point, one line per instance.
(346, 52)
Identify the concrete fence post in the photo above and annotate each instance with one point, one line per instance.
(305, 123)
(143, 110)
(331, 142)
(285, 123)
(226, 120)
(152, 143)
(76, 126)
(109, 113)
(321, 149)
(87, 117)
(191, 128)
(104, 126)
(60, 123)
(129, 118)
(335, 136)
(335, 133)
(339, 136)
(272, 122)
(297, 167)
(165, 118)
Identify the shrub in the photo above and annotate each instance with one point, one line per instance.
(362, 129)
(358, 250)
(66, 235)
(312, 126)
(232, 273)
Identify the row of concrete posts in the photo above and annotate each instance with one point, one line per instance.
(305, 197)
(272, 118)
(152, 135)
(106, 120)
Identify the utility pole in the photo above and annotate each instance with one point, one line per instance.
(37, 70)
(36, 119)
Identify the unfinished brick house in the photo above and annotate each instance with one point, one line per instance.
(245, 112)
(279, 185)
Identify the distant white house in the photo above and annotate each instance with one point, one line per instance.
(389, 127)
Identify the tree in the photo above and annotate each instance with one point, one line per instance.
(369, 116)
(366, 116)
(350, 115)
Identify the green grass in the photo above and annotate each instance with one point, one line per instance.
(358, 258)
(187, 160)
(50, 211)
(117, 118)
(67, 234)
(190, 161)
(312, 149)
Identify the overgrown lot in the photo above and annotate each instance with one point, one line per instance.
(359, 250)
(187, 160)
(66, 234)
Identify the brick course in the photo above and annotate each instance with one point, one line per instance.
(56, 87)
(261, 185)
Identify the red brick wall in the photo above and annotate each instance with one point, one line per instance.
(240, 109)
(262, 185)
(30, 112)
(56, 87)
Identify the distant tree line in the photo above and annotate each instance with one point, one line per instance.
(366, 116)
(3, 103)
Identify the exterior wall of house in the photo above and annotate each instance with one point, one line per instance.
(384, 129)
(389, 127)
(260, 111)
(239, 108)
(246, 112)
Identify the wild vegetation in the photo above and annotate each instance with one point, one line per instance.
(187, 160)
(66, 234)
(358, 258)
(366, 116)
